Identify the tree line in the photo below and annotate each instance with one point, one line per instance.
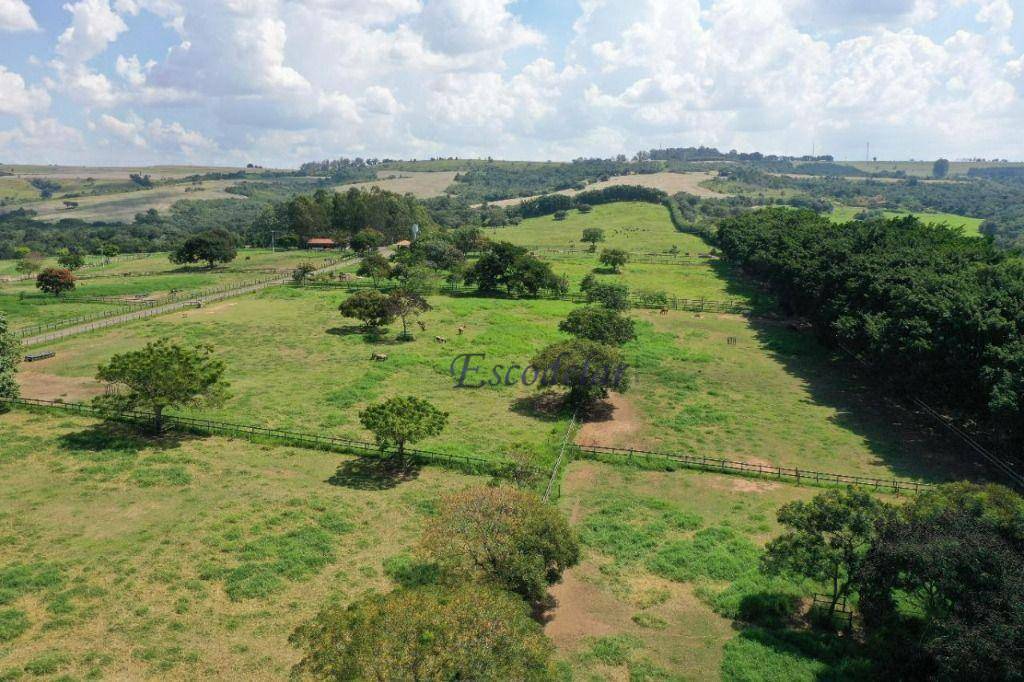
(933, 312)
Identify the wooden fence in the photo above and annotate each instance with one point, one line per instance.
(314, 441)
(766, 471)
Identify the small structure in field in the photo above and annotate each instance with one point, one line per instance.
(404, 244)
(321, 243)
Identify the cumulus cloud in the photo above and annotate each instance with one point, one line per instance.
(18, 99)
(293, 79)
(15, 15)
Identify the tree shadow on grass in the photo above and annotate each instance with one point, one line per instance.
(111, 436)
(547, 406)
(368, 473)
(908, 444)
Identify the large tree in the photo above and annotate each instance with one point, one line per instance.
(613, 258)
(467, 632)
(401, 420)
(71, 260)
(512, 267)
(600, 324)
(55, 281)
(371, 307)
(587, 368)
(592, 235)
(10, 356)
(942, 588)
(826, 539)
(940, 168)
(162, 374)
(503, 535)
(608, 294)
(366, 240)
(215, 246)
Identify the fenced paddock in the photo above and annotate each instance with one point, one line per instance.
(313, 441)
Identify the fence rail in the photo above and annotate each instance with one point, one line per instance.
(313, 441)
(699, 305)
(712, 464)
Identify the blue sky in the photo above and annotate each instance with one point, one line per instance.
(277, 82)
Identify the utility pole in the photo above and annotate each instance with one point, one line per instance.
(273, 243)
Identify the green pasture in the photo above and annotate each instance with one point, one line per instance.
(970, 226)
(184, 558)
(633, 226)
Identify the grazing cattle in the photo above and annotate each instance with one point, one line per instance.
(440, 339)
(379, 357)
(663, 311)
(462, 328)
(422, 324)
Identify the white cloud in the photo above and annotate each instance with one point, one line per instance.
(170, 139)
(15, 15)
(18, 99)
(94, 25)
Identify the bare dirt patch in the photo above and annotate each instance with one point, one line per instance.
(613, 428)
(44, 386)
(666, 182)
(422, 184)
(582, 610)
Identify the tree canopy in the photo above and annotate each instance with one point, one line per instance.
(613, 258)
(10, 356)
(431, 632)
(55, 281)
(370, 306)
(215, 246)
(401, 420)
(587, 368)
(160, 375)
(600, 324)
(502, 535)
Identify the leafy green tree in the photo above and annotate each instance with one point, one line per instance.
(940, 168)
(375, 266)
(401, 420)
(600, 324)
(369, 306)
(70, 260)
(942, 588)
(55, 281)
(587, 368)
(610, 295)
(584, 208)
(468, 239)
(593, 235)
(504, 264)
(826, 539)
(302, 272)
(407, 303)
(614, 258)
(561, 215)
(10, 356)
(502, 535)
(214, 246)
(367, 240)
(109, 250)
(162, 374)
(430, 632)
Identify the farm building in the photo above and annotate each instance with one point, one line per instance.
(320, 243)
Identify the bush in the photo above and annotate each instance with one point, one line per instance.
(507, 536)
(600, 324)
(471, 632)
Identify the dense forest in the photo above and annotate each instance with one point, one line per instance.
(1000, 203)
(937, 314)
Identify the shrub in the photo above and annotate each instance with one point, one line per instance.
(600, 324)
(500, 534)
(471, 632)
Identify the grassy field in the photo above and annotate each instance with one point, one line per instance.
(970, 226)
(423, 184)
(183, 558)
(921, 169)
(673, 183)
(633, 226)
(295, 363)
(669, 583)
(196, 557)
(124, 205)
(23, 304)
